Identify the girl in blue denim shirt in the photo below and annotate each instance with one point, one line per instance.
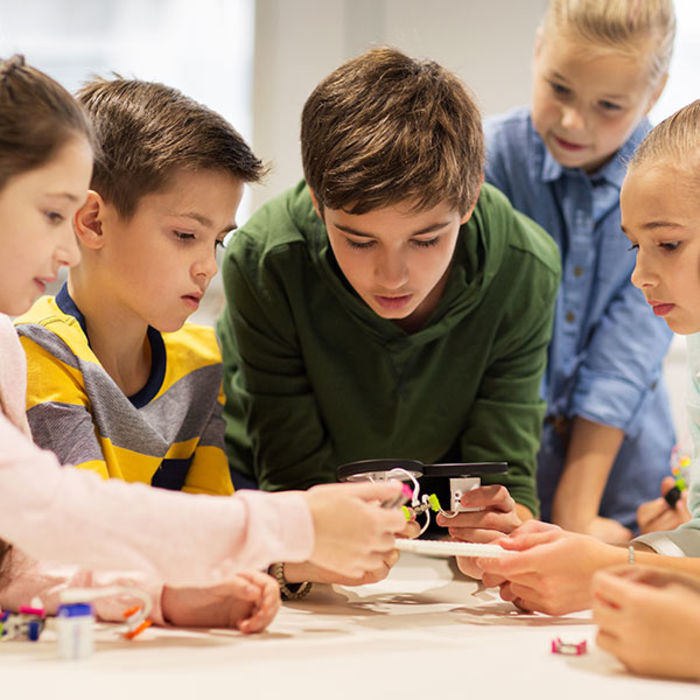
(599, 67)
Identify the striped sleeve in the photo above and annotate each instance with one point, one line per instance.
(58, 407)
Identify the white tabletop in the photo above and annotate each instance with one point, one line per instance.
(422, 633)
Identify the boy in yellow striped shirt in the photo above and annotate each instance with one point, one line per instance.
(118, 382)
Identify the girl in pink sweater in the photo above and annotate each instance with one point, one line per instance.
(198, 545)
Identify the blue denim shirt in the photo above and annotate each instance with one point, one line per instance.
(605, 357)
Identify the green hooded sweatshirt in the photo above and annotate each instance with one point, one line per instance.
(314, 378)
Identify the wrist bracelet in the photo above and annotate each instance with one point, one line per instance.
(289, 591)
(630, 559)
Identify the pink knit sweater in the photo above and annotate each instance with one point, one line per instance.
(63, 516)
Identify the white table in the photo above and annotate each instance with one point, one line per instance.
(422, 633)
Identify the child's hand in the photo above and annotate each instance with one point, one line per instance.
(353, 533)
(655, 576)
(248, 602)
(306, 571)
(497, 516)
(608, 530)
(649, 619)
(658, 516)
(553, 568)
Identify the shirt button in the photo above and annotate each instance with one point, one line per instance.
(578, 271)
(570, 316)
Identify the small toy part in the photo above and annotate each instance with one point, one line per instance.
(135, 622)
(569, 648)
(136, 618)
(463, 476)
(27, 624)
(458, 487)
(400, 499)
(75, 624)
(680, 465)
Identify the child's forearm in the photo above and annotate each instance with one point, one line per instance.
(687, 565)
(589, 459)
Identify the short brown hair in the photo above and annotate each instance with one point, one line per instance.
(37, 118)
(385, 128)
(146, 132)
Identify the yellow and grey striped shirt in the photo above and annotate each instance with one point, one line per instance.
(170, 434)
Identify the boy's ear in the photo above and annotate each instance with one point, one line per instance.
(657, 93)
(88, 221)
(319, 213)
(470, 211)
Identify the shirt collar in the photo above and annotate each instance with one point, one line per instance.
(612, 172)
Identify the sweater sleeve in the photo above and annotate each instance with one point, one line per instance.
(72, 516)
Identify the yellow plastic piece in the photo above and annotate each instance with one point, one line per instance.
(434, 502)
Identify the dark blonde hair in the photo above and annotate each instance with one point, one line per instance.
(676, 140)
(37, 118)
(619, 24)
(384, 129)
(146, 132)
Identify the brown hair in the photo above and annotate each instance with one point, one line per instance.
(675, 140)
(147, 132)
(621, 24)
(37, 118)
(385, 128)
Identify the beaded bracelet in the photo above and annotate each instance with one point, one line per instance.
(289, 591)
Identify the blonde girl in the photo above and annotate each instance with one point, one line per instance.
(599, 67)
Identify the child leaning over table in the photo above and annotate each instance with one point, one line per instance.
(599, 67)
(389, 305)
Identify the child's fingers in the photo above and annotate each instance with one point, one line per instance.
(475, 535)
(410, 531)
(648, 513)
(522, 541)
(613, 588)
(492, 580)
(667, 483)
(610, 642)
(242, 586)
(509, 567)
(264, 612)
(484, 519)
(494, 496)
(524, 597)
(257, 578)
(372, 491)
(605, 615)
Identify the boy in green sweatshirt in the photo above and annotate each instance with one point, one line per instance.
(390, 305)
